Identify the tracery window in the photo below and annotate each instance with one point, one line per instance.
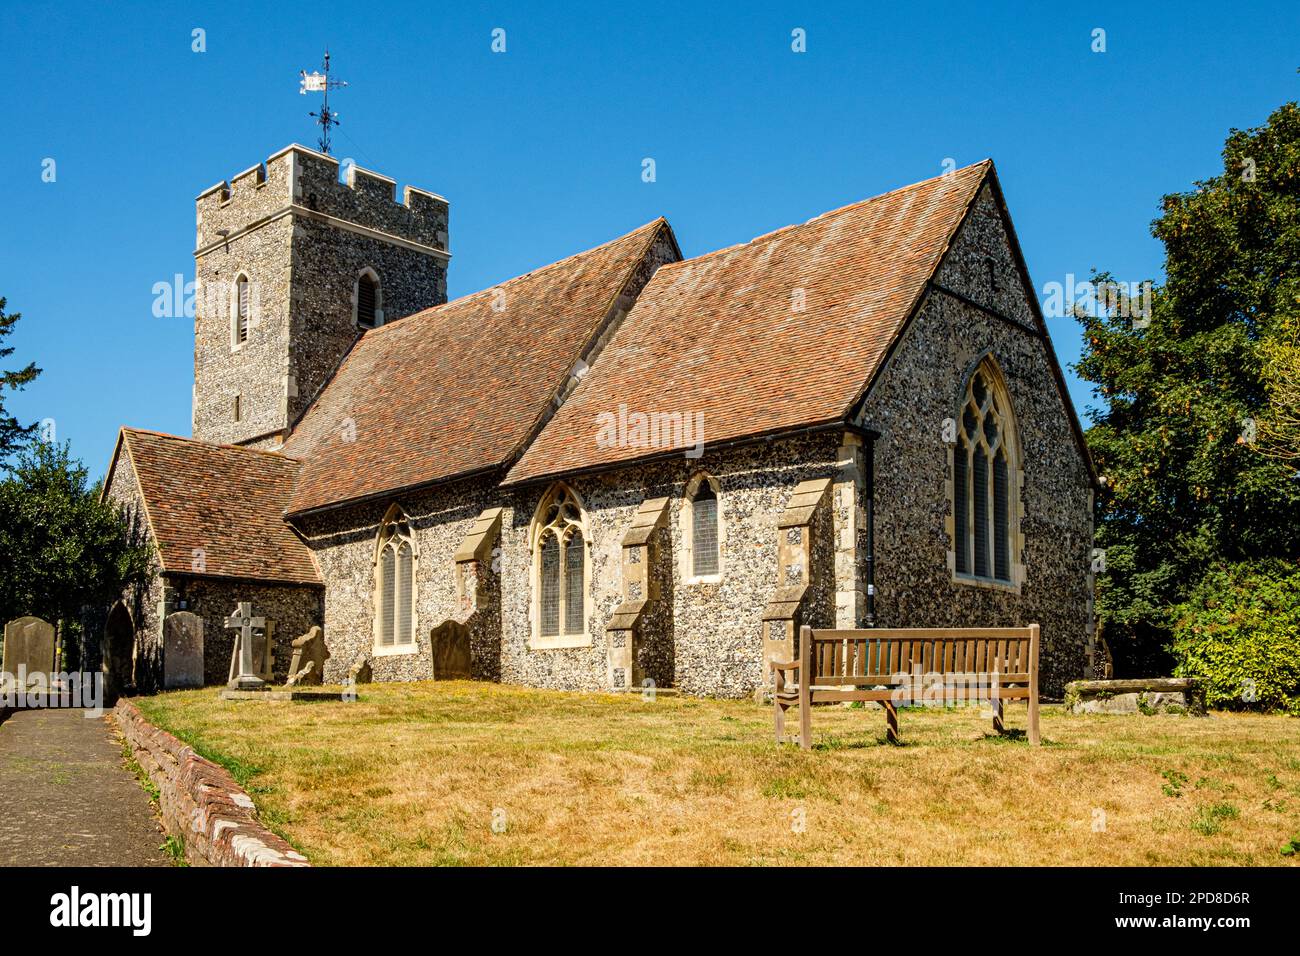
(395, 560)
(985, 464)
(559, 541)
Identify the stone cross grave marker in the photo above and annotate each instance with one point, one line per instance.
(182, 650)
(29, 646)
(246, 623)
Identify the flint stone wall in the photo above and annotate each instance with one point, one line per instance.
(715, 629)
(294, 609)
(344, 543)
(257, 369)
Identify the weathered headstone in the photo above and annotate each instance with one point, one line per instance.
(450, 641)
(29, 648)
(309, 656)
(182, 650)
(359, 672)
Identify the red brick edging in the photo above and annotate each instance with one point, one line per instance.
(201, 803)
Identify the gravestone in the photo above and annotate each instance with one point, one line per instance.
(29, 646)
(251, 659)
(359, 672)
(309, 656)
(182, 650)
(450, 645)
(263, 653)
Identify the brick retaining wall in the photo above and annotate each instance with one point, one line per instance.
(201, 803)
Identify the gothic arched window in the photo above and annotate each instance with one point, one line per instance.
(984, 470)
(702, 529)
(559, 544)
(367, 300)
(395, 560)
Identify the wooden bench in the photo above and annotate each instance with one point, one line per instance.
(909, 666)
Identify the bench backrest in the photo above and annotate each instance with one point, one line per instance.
(880, 655)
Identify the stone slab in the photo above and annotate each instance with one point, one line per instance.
(1156, 695)
(281, 695)
(637, 691)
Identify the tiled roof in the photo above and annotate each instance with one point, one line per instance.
(720, 334)
(457, 388)
(225, 500)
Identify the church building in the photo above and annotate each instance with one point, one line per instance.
(620, 470)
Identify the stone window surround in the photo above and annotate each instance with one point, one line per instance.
(379, 298)
(235, 344)
(536, 641)
(688, 574)
(395, 515)
(987, 363)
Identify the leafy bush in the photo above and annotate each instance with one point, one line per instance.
(1239, 633)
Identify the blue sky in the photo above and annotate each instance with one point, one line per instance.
(539, 149)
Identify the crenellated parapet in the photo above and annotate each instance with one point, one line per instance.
(306, 182)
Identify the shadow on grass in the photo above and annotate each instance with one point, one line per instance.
(836, 743)
(1014, 736)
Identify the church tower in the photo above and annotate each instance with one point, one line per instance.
(291, 266)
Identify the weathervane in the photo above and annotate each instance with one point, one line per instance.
(315, 82)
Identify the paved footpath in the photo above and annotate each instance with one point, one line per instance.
(67, 797)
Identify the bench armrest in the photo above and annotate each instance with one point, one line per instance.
(785, 665)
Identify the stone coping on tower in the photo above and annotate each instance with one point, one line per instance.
(298, 179)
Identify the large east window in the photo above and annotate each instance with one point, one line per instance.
(984, 481)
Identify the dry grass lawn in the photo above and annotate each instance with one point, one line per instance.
(475, 773)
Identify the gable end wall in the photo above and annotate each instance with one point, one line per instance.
(911, 397)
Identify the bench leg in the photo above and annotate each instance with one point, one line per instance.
(805, 725)
(1033, 717)
(780, 721)
(891, 721)
(999, 727)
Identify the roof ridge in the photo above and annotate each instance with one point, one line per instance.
(523, 275)
(209, 444)
(767, 236)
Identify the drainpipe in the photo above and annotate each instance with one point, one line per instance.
(869, 436)
(870, 618)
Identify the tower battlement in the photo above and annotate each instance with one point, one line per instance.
(306, 182)
(294, 266)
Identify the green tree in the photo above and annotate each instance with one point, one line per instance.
(1189, 486)
(12, 434)
(1279, 429)
(61, 548)
(1239, 634)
